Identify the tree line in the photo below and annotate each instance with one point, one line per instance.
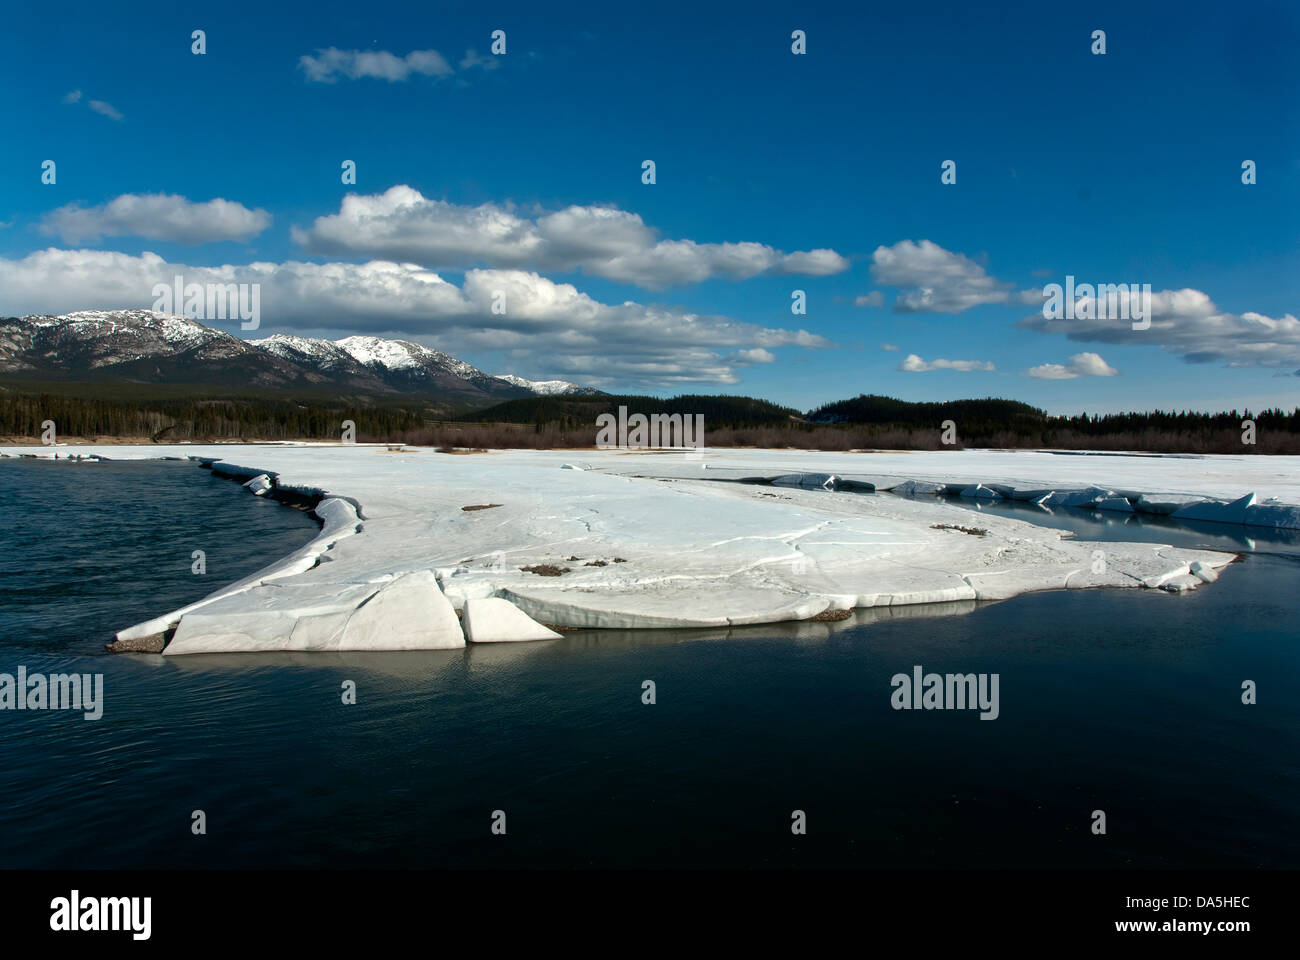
(165, 421)
(862, 423)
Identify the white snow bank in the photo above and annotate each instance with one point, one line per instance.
(1153, 483)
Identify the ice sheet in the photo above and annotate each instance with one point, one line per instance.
(636, 540)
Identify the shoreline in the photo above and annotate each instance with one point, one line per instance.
(338, 517)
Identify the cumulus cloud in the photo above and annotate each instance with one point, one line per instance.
(889, 346)
(1080, 365)
(873, 299)
(333, 64)
(156, 216)
(401, 224)
(630, 343)
(756, 355)
(914, 364)
(1187, 323)
(935, 280)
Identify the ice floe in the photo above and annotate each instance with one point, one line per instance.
(915, 488)
(409, 612)
(633, 541)
(980, 492)
(824, 481)
(1165, 504)
(259, 485)
(1238, 511)
(1115, 505)
(494, 620)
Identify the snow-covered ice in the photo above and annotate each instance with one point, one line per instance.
(259, 485)
(494, 620)
(1115, 505)
(637, 540)
(980, 492)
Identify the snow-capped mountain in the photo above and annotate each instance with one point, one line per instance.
(418, 364)
(325, 358)
(395, 364)
(546, 388)
(132, 345)
(147, 347)
(97, 338)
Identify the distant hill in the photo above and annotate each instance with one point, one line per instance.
(975, 416)
(579, 411)
(871, 421)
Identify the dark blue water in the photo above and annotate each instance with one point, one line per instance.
(1125, 701)
(92, 547)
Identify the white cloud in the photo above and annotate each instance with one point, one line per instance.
(580, 338)
(821, 262)
(935, 280)
(1050, 371)
(1080, 365)
(873, 299)
(888, 346)
(332, 64)
(99, 106)
(756, 355)
(401, 224)
(473, 59)
(156, 216)
(914, 364)
(1188, 324)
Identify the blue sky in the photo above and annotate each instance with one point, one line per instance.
(522, 173)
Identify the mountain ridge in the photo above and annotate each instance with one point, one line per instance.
(144, 346)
